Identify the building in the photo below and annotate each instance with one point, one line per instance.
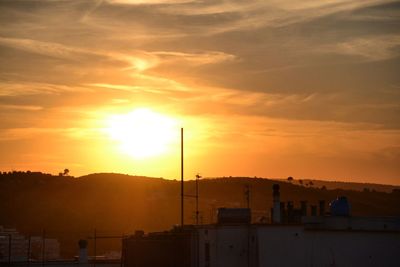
(13, 245)
(337, 239)
(51, 248)
(175, 248)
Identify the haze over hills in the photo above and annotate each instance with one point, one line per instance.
(71, 208)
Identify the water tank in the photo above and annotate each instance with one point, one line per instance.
(340, 207)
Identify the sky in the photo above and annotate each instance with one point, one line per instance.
(308, 89)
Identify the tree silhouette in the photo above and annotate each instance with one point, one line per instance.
(290, 179)
(64, 173)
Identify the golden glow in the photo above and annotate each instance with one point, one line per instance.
(142, 133)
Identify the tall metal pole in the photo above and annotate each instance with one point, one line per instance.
(197, 220)
(43, 247)
(197, 199)
(182, 194)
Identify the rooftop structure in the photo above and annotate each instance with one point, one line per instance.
(293, 238)
(15, 247)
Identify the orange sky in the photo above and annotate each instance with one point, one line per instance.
(308, 89)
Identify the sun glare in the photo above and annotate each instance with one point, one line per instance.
(142, 133)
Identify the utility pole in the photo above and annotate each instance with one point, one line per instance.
(182, 189)
(197, 198)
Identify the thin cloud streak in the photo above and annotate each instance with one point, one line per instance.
(206, 57)
(44, 48)
(150, 2)
(250, 15)
(31, 88)
(34, 132)
(127, 88)
(21, 107)
(374, 48)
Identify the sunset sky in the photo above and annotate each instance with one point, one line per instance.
(277, 88)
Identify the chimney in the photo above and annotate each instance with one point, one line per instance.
(321, 207)
(276, 204)
(83, 255)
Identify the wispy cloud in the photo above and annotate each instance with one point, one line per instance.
(31, 88)
(34, 132)
(21, 107)
(149, 2)
(372, 48)
(144, 60)
(26, 133)
(127, 88)
(43, 48)
(206, 57)
(148, 83)
(250, 15)
(51, 49)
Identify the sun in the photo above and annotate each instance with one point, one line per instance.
(142, 133)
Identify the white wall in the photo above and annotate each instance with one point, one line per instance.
(293, 246)
(287, 246)
(228, 246)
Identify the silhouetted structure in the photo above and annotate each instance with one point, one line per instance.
(170, 249)
(292, 239)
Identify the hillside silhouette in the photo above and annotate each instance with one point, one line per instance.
(71, 208)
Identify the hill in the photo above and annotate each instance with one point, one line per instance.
(71, 208)
(344, 185)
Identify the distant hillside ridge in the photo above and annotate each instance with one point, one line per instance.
(341, 184)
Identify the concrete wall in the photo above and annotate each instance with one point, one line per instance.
(285, 245)
(229, 246)
(294, 246)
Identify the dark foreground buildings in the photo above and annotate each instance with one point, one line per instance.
(291, 239)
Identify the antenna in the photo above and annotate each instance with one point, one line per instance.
(197, 198)
(182, 196)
